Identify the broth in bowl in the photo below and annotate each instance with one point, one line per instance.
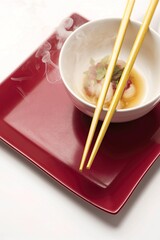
(94, 77)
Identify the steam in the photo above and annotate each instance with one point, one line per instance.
(46, 53)
(20, 79)
(21, 92)
(63, 32)
(44, 48)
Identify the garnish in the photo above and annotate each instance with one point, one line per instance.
(97, 71)
(117, 73)
(100, 72)
(94, 78)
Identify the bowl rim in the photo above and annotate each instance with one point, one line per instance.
(153, 101)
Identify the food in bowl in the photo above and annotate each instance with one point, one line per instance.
(94, 77)
(96, 39)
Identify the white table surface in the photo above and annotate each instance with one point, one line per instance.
(32, 205)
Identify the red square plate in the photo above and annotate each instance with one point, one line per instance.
(38, 119)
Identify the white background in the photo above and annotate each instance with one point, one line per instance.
(32, 205)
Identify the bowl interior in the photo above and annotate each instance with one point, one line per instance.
(95, 40)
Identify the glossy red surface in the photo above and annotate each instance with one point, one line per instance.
(39, 120)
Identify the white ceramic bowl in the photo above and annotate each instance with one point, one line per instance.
(95, 39)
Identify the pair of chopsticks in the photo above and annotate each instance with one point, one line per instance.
(122, 83)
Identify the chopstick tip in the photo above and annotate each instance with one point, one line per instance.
(82, 161)
(88, 165)
(81, 167)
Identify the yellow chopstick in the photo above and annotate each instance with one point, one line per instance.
(111, 66)
(119, 91)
